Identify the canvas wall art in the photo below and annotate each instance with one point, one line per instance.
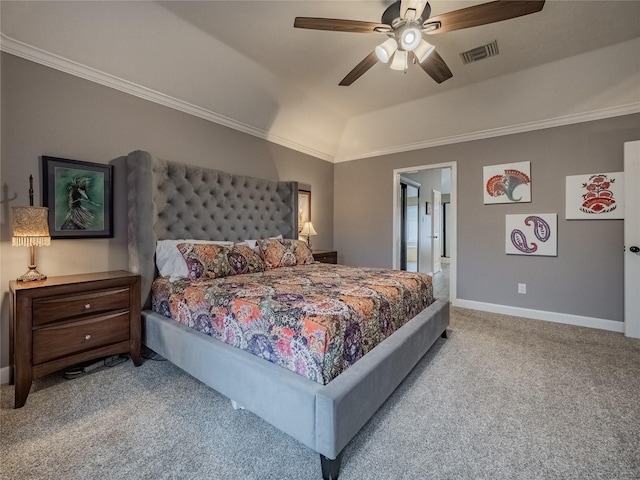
(507, 183)
(534, 234)
(595, 197)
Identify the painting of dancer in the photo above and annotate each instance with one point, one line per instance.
(79, 197)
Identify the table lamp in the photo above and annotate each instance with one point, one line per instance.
(30, 229)
(308, 230)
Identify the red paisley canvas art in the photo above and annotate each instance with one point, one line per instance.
(595, 197)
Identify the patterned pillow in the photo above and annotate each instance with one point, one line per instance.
(207, 261)
(242, 259)
(285, 253)
(169, 260)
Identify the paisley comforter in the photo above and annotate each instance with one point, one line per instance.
(315, 320)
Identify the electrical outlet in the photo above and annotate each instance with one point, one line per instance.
(522, 288)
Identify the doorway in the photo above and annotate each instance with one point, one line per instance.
(439, 242)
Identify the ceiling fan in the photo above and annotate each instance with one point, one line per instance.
(405, 22)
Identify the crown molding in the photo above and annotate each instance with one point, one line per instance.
(37, 55)
(48, 59)
(500, 131)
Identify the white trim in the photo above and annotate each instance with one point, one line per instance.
(500, 131)
(453, 239)
(37, 55)
(5, 375)
(566, 318)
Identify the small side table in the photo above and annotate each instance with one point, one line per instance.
(325, 256)
(63, 321)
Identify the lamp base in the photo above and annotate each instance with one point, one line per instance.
(32, 275)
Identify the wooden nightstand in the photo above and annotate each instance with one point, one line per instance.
(325, 256)
(64, 321)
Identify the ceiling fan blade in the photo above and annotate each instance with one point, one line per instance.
(369, 61)
(416, 5)
(436, 67)
(338, 25)
(483, 14)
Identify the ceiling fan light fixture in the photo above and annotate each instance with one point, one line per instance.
(423, 51)
(385, 50)
(410, 38)
(399, 61)
(405, 21)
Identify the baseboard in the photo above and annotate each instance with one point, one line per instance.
(5, 375)
(577, 320)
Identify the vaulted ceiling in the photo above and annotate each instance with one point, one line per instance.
(242, 64)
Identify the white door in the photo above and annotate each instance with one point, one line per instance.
(436, 228)
(632, 239)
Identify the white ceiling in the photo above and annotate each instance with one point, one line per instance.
(242, 63)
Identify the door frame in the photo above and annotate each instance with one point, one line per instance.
(395, 251)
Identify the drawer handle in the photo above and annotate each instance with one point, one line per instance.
(87, 337)
(87, 306)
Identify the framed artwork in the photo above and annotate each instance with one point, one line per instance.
(79, 196)
(304, 208)
(534, 234)
(595, 197)
(507, 183)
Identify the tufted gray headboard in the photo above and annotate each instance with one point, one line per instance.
(170, 200)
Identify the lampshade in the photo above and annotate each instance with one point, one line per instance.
(423, 51)
(386, 49)
(307, 229)
(30, 227)
(399, 61)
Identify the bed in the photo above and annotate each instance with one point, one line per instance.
(171, 200)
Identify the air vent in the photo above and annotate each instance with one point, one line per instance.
(478, 53)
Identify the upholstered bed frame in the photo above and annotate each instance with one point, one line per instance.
(169, 200)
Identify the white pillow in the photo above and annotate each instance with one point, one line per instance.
(169, 260)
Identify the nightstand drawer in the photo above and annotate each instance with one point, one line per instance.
(322, 256)
(53, 309)
(66, 338)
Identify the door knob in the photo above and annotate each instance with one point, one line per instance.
(634, 249)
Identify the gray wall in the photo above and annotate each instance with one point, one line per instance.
(47, 112)
(586, 278)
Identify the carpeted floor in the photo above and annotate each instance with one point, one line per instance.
(502, 398)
